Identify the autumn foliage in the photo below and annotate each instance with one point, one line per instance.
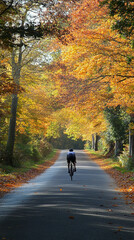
(69, 79)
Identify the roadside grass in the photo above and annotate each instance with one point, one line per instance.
(112, 162)
(123, 177)
(12, 177)
(26, 166)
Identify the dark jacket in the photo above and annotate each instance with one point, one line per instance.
(71, 157)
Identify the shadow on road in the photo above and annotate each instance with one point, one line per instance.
(54, 208)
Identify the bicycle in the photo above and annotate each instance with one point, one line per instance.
(71, 170)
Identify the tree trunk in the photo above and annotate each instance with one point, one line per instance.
(111, 149)
(96, 141)
(16, 68)
(93, 142)
(11, 132)
(131, 138)
(118, 147)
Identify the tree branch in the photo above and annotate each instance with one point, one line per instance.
(10, 5)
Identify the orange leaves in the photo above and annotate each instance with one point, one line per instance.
(7, 182)
(119, 229)
(98, 52)
(98, 67)
(114, 205)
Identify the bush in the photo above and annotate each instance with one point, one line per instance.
(44, 147)
(33, 150)
(36, 156)
(102, 145)
(2, 153)
(125, 160)
(22, 153)
(88, 145)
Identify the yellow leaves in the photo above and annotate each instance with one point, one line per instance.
(35, 109)
(131, 125)
(71, 53)
(4, 61)
(81, 71)
(97, 58)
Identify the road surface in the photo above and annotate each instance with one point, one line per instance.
(52, 207)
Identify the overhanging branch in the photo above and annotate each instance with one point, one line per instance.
(7, 8)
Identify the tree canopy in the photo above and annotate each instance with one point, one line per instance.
(123, 12)
(67, 68)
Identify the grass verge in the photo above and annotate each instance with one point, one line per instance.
(11, 178)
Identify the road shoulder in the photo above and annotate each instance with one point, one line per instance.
(122, 180)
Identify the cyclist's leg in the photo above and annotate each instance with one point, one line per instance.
(74, 165)
(68, 162)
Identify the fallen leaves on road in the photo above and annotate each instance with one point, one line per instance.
(71, 217)
(123, 180)
(118, 229)
(11, 181)
(114, 205)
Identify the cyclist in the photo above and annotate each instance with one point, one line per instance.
(71, 157)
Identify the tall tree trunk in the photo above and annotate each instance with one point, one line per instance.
(96, 141)
(131, 138)
(118, 147)
(11, 132)
(16, 68)
(93, 142)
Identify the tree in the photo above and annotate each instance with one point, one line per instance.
(5, 6)
(16, 69)
(131, 137)
(43, 18)
(91, 70)
(12, 22)
(21, 33)
(97, 63)
(122, 11)
(117, 127)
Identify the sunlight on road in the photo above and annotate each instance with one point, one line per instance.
(90, 200)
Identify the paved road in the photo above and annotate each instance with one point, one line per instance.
(51, 207)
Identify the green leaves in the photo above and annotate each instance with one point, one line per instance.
(123, 12)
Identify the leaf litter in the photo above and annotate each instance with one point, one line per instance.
(124, 180)
(10, 181)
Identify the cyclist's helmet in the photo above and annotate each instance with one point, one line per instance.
(70, 150)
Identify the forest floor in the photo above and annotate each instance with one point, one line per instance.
(9, 181)
(124, 179)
